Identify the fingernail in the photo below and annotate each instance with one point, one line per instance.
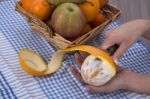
(116, 61)
(87, 89)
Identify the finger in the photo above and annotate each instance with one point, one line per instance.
(119, 69)
(78, 59)
(109, 32)
(76, 73)
(111, 86)
(119, 53)
(97, 89)
(107, 43)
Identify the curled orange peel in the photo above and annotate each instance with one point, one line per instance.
(32, 62)
(57, 59)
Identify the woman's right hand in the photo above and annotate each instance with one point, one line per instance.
(125, 35)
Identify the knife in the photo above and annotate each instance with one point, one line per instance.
(112, 49)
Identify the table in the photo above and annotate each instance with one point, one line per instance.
(16, 34)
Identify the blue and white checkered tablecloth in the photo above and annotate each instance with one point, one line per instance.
(16, 34)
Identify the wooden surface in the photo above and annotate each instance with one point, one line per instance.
(133, 9)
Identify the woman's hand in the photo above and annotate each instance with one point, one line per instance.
(118, 82)
(125, 36)
(124, 79)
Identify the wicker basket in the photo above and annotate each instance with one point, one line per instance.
(111, 13)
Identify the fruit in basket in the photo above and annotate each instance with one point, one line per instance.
(31, 62)
(57, 2)
(67, 20)
(103, 3)
(98, 20)
(90, 9)
(86, 29)
(41, 8)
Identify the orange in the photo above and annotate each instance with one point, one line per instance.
(98, 20)
(103, 3)
(86, 29)
(41, 8)
(90, 9)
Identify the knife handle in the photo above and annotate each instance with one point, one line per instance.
(112, 49)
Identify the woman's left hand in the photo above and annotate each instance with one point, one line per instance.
(124, 79)
(118, 82)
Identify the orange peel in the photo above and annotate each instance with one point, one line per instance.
(32, 62)
(57, 59)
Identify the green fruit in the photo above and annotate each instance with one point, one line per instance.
(68, 20)
(57, 2)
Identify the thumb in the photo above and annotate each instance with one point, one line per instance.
(120, 51)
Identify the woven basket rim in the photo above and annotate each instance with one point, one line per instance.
(58, 41)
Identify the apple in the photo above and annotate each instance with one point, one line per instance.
(68, 20)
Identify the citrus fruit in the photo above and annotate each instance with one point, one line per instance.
(86, 29)
(100, 18)
(90, 9)
(41, 8)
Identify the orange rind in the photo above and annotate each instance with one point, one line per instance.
(33, 64)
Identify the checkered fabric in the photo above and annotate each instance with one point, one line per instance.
(16, 34)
